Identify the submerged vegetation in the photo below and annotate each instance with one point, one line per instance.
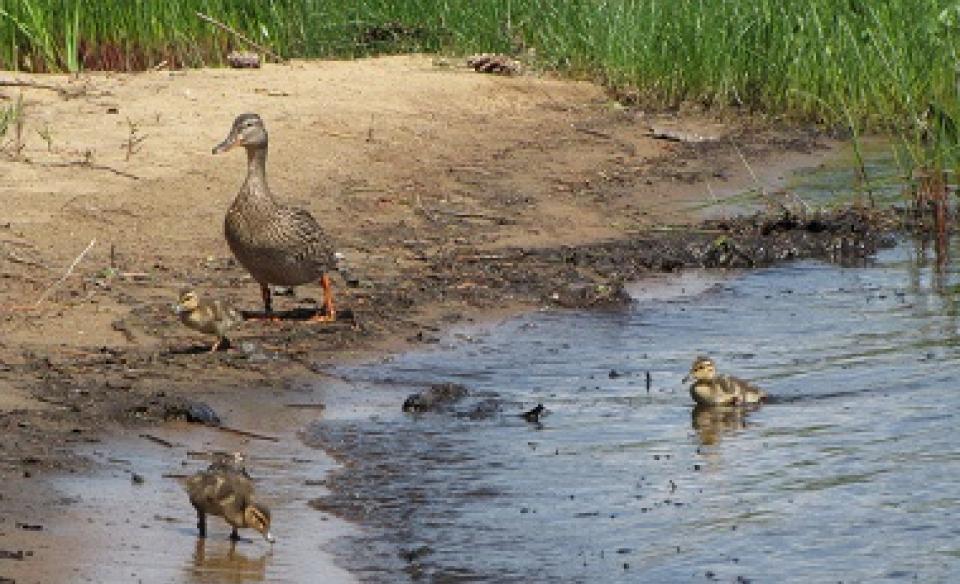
(858, 65)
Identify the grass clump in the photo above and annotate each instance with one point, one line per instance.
(867, 66)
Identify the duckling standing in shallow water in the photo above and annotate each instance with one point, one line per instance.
(712, 389)
(227, 493)
(228, 462)
(207, 316)
(277, 244)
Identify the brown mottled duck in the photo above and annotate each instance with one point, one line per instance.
(212, 317)
(712, 389)
(278, 244)
(227, 492)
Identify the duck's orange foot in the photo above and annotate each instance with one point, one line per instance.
(323, 317)
(263, 317)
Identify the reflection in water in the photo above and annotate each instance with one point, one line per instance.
(712, 422)
(222, 563)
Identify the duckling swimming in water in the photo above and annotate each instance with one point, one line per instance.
(711, 389)
(207, 316)
(226, 492)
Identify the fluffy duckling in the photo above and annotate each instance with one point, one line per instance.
(228, 462)
(711, 389)
(207, 316)
(226, 492)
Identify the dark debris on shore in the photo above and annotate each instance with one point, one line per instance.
(593, 275)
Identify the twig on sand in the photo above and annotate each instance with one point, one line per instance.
(18, 83)
(85, 164)
(317, 406)
(241, 36)
(157, 440)
(175, 475)
(247, 433)
(76, 261)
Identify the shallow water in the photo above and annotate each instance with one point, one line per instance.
(851, 474)
(109, 528)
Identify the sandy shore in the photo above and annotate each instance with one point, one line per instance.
(414, 166)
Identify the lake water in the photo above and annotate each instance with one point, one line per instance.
(851, 474)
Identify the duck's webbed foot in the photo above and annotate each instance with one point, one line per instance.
(268, 314)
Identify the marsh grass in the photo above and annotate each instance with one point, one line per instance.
(854, 65)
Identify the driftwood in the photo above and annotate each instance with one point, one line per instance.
(496, 64)
(243, 60)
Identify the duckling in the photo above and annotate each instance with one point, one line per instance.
(277, 244)
(228, 493)
(207, 316)
(711, 389)
(228, 462)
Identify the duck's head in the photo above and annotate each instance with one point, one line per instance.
(703, 369)
(247, 130)
(188, 302)
(257, 516)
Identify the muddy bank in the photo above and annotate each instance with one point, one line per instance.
(593, 274)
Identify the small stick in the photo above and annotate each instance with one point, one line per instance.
(18, 83)
(175, 475)
(248, 433)
(157, 440)
(307, 406)
(67, 275)
(84, 164)
(239, 35)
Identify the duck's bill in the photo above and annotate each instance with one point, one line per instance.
(227, 144)
(686, 378)
(178, 308)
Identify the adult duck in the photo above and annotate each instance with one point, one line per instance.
(278, 244)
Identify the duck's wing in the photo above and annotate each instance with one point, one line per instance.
(313, 244)
(729, 384)
(743, 387)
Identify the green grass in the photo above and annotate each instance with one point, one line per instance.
(863, 65)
